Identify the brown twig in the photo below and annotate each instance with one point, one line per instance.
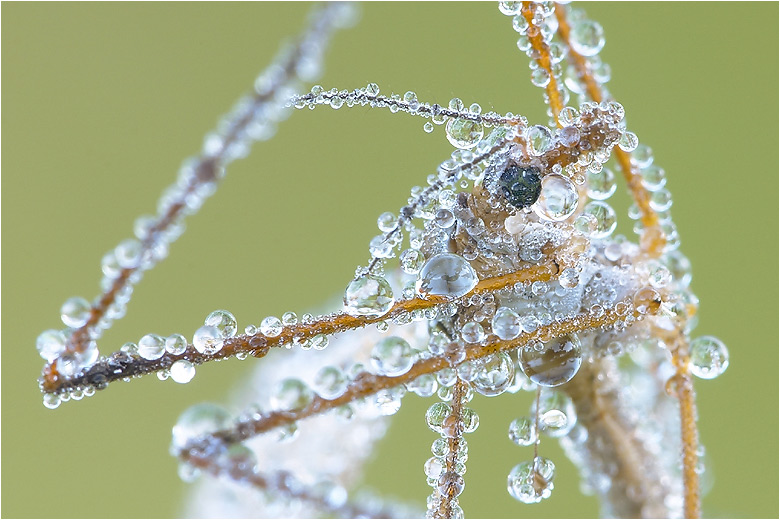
(543, 59)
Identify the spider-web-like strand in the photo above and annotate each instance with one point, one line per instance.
(394, 102)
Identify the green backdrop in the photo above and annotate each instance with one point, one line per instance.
(101, 102)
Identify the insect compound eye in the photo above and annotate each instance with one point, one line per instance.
(521, 185)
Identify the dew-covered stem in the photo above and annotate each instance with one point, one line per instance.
(528, 11)
(683, 388)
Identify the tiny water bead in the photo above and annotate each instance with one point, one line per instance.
(151, 347)
(271, 326)
(539, 139)
(224, 322)
(75, 312)
(647, 300)
(446, 275)
(709, 357)
(472, 332)
(602, 217)
(464, 133)
(436, 415)
(520, 185)
(531, 481)
(368, 295)
(176, 344)
(557, 200)
(330, 382)
(182, 371)
(291, 395)
(628, 141)
(506, 324)
(207, 340)
(412, 261)
(522, 431)
(601, 185)
(198, 420)
(553, 363)
(392, 357)
(51, 344)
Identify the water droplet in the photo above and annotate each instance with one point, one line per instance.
(709, 357)
(555, 363)
(569, 278)
(128, 253)
(291, 395)
(506, 324)
(628, 141)
(520, 185)
(540, 77)
(569, 136)
(368, 295)
(446, 275)
(568, 116)
(653, 177)
(386, 222)
(444, 218)
(412, 261)
(176, 344)
(587, 38)
(647, 300)
(539, 139)
(602, 218)
(388, 401)
(522, 431)
(392, 357)
(558, 199)
(75, 312)
(436, 415)
(493, 374)
(601, 185)
(434, 467)
(51, 344)
(330, 382)
(472, 332)
(198, 420)
(451, 484)
(557, 415)
(151, 347)
(531, 481)
(271, 326)
(464, 133)
(509, 8)
(207, 340)
(428, 127)
(182, 371)
(224, 322)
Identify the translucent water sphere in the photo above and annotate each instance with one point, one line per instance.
(75, 312)
(553, 363)
(51, 344)
(493, 374)
(182, 371)
(506, 324)
(522, 431)
(196, 421)
(224, 321)
(207, 340)
(368, 295)
(709, 357)
(531, 481)
(558, 198)
(464, 133)
(602, 217)
(587, 38)
(151, 347)
(446, 275)
(392, 357)
(291, 395)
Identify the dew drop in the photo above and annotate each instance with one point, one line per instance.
(128, 253)
(330, 382)
(51, 344)
(556, 363)
(198, 420)
(472, 332)
(569, 278)
(182, 371)
(412, 261)
(464, 133)
(558, 199)
(557, 415)
(392, 357)
(271, 326)
(207, 340)
(51, 401)
(587, 38)
(224, 322)
(539, 139)
(628, 141)
(446, 275)
(436, 415)
(368, 295)
(601, 185)
(522, 431)
(709, 357)
(531, 481)
(647, 300)
(603, 218)
(151, 347)
(75, 312)
(176, 344)
(428, 127)
(493, 374)
(291, 395)
(506, 324)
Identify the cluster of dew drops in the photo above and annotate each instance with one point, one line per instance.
(445, 275)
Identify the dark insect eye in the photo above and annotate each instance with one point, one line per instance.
(521, 185)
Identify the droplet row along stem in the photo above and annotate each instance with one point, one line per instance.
(655, 244)
(453, 442)
(281, 483)
(366, 384)
(206, 170)
(258, 345)
(537, 42)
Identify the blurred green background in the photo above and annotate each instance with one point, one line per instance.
(101, 102)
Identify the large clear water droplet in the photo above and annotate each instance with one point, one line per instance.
(291, 395)
(224, 321)
(587, 38)
(368, 295)
(464, 133)
(196, 421)
(207, 340)
(709, 357)
(151, 347)
(522, 431)
(531, 481)
(75, 312)
(553, 363)
(558, 199)
(182, 371)
(557, 415)
(603, 218)
(506, 324)
(493, 374)
(446, 275)
(51, 344)
(330, 382)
